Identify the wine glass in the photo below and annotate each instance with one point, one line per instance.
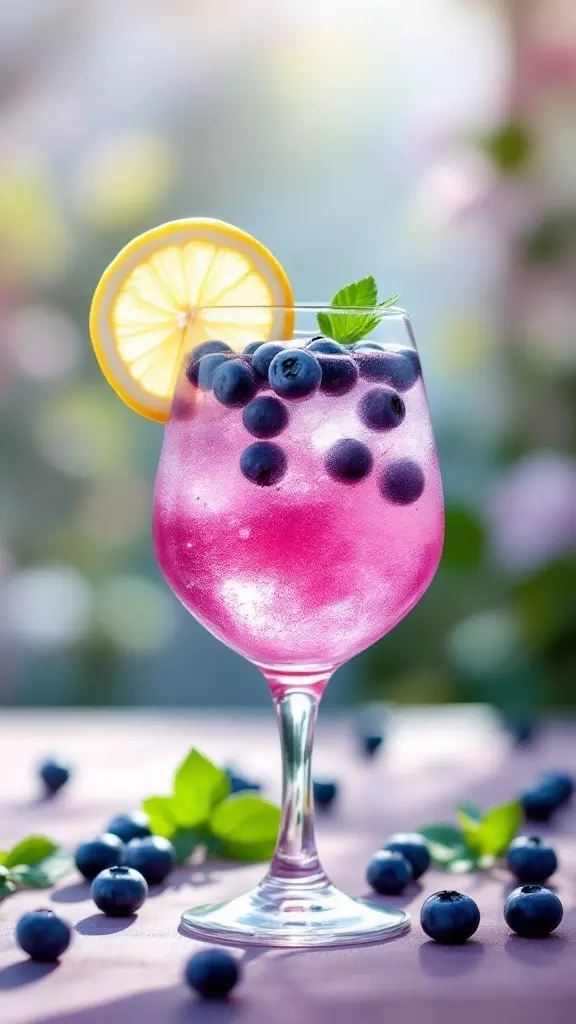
(298, 515)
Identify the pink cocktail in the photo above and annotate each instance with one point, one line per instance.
(298, 515)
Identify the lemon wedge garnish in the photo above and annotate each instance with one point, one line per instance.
(173, 288)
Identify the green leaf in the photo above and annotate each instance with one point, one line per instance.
(159, 810)
(246, 827)
(30, 851)
(348, 328)
(471, 810)
(3, 856)
(445, 842)
(498, 828)
(185, 841)
(471, 830)
(44, 874)
(6, 887)
(198, 786)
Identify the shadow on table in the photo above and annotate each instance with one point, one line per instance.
(203, 874)
(100, 924)
(450, 961)
(25, 972)
(76, 893)
(174, 1005)
(537, 952)
(411, 892)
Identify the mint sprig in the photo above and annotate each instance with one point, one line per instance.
(479, 839)
(200, 811)
(348, 328)
(34, 863)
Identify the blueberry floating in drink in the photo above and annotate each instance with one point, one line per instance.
(294, 373)
(234, 383)
(263, 357)
(263, 463)
(402, 482)
(265, 417)
(339, 374)
(349, 461)
(381, 409)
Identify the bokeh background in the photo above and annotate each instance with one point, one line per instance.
(430, 143)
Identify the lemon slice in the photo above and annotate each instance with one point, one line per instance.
(173, 288)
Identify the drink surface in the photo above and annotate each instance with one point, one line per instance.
(303, 552)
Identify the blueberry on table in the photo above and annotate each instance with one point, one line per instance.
(522, 726)
(294, 373)
(263, 463)
(54, 775)
(412, 846)
(234, 383)
(201, 371)
(381, 409)
(263, 357)
(325, 345)
(339, 374)
(265, 416)
(449, 917)
(325, 792)
(402, 482)
(134, 825)
(252, 348)
(559, 782)
(212, 973)
(348, 461)
(371, 743)
(43, 935)
(154, 857)
(239, 783)
(531, 860)
(539, 804)
(398, 369)
(93, 856)
(119, 892)
(388, 873)
(533, 911)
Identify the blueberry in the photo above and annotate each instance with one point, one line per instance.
(381, 409)
(265, 416)
(239, 783)
(348, 461)
(402, 482)
(326, 345)
(295, 373)
(119, 892)
(263, 463)
(531, 860)
(561, 783)
(339, 374)
(398, 369)
(449, 917)
(212, 973)
(522, 726)
(54, 775)
(43, 935)
(207, 348)
(92, 857)
(201, 371)
(325, 792)
(388, 873)
(234, 383)
(533, 911)
(412, 846)
(539, 803)
(252, 348)
(371, 743)
(264, 356)
(135, 825)
(154, 857)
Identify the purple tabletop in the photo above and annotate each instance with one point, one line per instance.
(131, 969)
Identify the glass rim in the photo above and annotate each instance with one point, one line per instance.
(317, 307)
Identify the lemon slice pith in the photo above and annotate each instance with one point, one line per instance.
(172, 288)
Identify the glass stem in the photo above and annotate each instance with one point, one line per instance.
(296, 859)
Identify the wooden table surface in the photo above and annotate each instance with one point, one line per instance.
(130, 970)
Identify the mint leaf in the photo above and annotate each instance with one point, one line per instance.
(471, 830)
(198, 786)
(159, 810)
(246, 827)
(185, 841)
(445, 842)
(348, 328)
(30, 851)
(471, 810)
(6, 887)
(492, 835)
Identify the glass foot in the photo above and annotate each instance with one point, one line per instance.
(295, 916)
